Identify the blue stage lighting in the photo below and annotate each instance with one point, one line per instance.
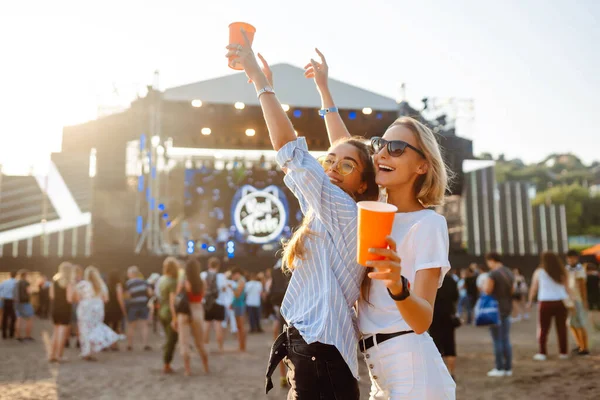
(139, 224)
(161, 207)
(165, 215)
(297, 113)
(379, 116)
(211, 249)
(204, 246)
(352, 115)
(168, 224)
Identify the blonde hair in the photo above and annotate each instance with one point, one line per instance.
(65, 274)
(92, 275)
(171, 267)
(431, 187)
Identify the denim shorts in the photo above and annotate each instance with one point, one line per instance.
(137, 312)
(24, 310)
(239, 311)
(578, 316)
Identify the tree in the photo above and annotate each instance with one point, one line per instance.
(583, 210)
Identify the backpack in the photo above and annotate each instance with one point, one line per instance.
(278, 287)
(212, 290)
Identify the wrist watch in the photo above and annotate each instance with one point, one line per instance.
(325, 111)
(266, 89)
(405, 290)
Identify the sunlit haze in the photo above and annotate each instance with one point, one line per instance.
(531, 69)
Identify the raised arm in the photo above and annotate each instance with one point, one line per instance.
(336, 129)
(280, 128)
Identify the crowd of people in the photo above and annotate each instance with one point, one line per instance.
(100, 310)
(568, 292)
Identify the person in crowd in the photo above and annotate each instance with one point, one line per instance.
(482, 278)
(520, 292)
(215, 300)
(61, 295)
(190, 319)
(578, 288)
(167, 315)
(320, 322)
(549, 284)
(74, 331)
(593, 293)
(23, 307)
(228, 300)
(463, 298)
(471, 285)
(94, 335)
(444, 324)
(399, 297)
(254, 290)
(9, 317)
(44, 297)
(154, 302)
(499, 283)
(266, 306)
(137, 294)
(239, 305)
(115, 307)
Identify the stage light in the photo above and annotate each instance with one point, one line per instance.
(250, 132)
(211, 249)
(204, 246)
(285, 107)
(239, 105)
(165, 216)
(139, 224)
(160, 150)
(379, 116)
(297, 113)
(367, 111)
(191, 245)
(206, 131)
(168, 224)
(197, 103)
(230, 243)
(352, 115)
(155, 141)
(161, 207)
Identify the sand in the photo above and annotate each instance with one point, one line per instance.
(25, 374)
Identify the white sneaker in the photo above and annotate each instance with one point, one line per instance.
(495, 373)
(508, 373)
(539, 357)
(563, 357)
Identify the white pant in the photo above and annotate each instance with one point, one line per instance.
(408, 367)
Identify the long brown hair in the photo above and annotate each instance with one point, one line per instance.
(295, 249)
(553, 265)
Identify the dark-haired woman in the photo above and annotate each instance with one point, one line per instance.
(190, 324)
(549, 284)
(325, 283)
(115, 307)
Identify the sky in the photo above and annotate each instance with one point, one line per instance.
(530, 68)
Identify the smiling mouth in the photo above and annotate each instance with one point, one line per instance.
(385, 168)
(335, 181)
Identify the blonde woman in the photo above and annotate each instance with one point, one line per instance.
(167, 289)
(397, 297)
(94, 335)
(61, 297)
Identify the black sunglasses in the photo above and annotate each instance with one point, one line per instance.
(394, 147)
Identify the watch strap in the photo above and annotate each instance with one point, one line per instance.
(405, 290)
(266, 89)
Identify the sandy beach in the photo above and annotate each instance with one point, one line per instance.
(25, 374)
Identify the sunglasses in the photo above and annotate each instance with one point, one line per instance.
(344, 167)
(394, 147)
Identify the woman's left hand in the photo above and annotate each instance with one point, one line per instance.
(389, 270)
(244, 56)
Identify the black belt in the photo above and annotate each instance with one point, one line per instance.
(366, 344)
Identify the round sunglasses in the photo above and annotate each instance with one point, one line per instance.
(344, 167)
(394, 147)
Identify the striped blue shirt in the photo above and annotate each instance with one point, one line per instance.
(325, 286)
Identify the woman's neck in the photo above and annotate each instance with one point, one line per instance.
(405, 201)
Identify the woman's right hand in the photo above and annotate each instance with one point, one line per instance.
(319, 71)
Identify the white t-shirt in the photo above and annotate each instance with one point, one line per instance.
(422, 243)
(574, 274)
(253, 291)
(548, 289)
(481, 279)
(221, 283)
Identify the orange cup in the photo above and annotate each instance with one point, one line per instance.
(236, 37)
(375, 221)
